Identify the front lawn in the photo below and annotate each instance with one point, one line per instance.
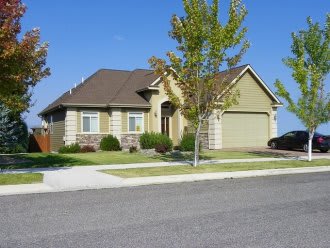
(23, 178)
(187, 169)
(41, 160)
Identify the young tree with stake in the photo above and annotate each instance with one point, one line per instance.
(310, 66)
(204, 46)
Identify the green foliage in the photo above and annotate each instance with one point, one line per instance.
(187, 143)
(22, 57)
(204, 45)
(110, 143)
(152, 139)
(13, 132)
(73, 148)
(310, 66)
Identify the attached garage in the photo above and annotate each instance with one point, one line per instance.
(245, 129)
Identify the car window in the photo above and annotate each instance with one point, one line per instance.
(288, 135)
(302, 135)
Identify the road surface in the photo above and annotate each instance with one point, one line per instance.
(279, 211)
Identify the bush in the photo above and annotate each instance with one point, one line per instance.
(110, 143)
(162, 148)
(87, 148)
(152, 140)
(187, 143)
(133, 149)
(148, 140)
(73, 148)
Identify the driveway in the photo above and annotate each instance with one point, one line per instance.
(277, 152)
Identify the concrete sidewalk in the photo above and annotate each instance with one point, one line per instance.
(89, 177)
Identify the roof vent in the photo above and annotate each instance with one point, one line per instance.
(70, 91)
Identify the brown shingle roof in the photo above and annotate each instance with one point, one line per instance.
(109, 87)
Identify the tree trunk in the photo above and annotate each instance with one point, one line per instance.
(310, 144)
(196, 155)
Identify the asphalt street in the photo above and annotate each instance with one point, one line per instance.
(279, 211)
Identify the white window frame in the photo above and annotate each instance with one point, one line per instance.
(90, 114)
(51, 125)
(135, 114)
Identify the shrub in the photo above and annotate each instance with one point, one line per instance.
(148, 140)
(73, 148)
(151, 140)
(162, 148)
(187, 143)
(110, 143)
(133, 149)
(156, 141)
(87, 148)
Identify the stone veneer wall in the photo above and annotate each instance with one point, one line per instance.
(90, 139)
(128, 140)
(204, 140)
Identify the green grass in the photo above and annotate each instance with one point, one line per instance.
(40, 160)
(187, 169)
(24, 178)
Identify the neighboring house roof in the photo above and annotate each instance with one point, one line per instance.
(109, 87)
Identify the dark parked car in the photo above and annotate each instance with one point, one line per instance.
(299, 140)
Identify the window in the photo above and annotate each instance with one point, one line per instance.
(90, 122)
(135, 122)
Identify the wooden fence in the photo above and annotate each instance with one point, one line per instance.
(39, 143)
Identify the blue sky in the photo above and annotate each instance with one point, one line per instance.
(85, 36)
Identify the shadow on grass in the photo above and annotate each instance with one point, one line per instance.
(180, 156)
(44, 160)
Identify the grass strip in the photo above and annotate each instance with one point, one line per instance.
(42, 160)
(22, 178)
(187, 169)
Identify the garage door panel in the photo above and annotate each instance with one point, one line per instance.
(245, 129)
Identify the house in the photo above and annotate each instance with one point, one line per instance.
(128, 103)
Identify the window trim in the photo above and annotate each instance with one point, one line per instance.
(136, 113)
(82, 121)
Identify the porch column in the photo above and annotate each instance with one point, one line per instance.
(115, 122)
(71, 126)
(215, 133)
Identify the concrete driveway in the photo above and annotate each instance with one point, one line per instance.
(277, 152)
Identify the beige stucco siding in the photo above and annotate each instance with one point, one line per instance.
(124, 118)
(156, 98)
(58, 130)
(175, 128)
(252, 97)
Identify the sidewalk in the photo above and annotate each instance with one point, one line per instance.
(88, 177)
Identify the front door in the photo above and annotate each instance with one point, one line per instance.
(166, 125)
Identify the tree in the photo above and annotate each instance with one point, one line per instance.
(8, 128)
(310, 66)
(22, 62)
(204, 45)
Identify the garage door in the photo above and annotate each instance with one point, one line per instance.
(244, 129)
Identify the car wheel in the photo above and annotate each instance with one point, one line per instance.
(273, 145)
(324, 150)
(305, 147)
